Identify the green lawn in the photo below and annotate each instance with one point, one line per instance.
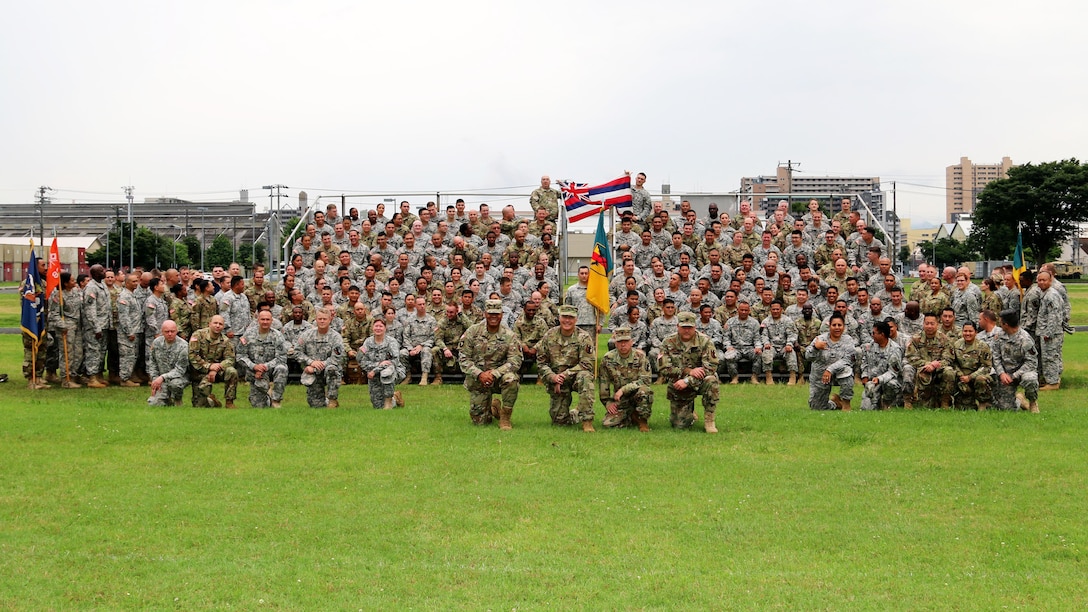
(107, 503)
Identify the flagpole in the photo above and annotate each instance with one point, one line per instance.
(37, 341)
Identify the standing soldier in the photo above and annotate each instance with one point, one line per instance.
(65, 305)
(130, 321)
(96, 322)
(930, 356)
(320, 351)
(235, 311)
(565, 362)
(168, 367)
(490, 357)
(972, 362)
(881, 369)
(181, 312)
(211, 359)
(155, 312)
(1050, 331)
(263, 352)
(34, 357)
(205, 307)
(624, 384)
(446, 339)
(832, 357)
(689, 364)
(1016, 363)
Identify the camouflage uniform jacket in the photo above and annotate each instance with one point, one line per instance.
(625, 374)
(530, 332)
(966, 304)
(418, 331)
(743, 334)
(156, 312)
(971, 360)
(679, 358)
(1015, 355)
(662, 328)
(1050, 318)
(355, 332)
(779, 333)
(711, 329)
(312, 345)
(807, 330)
(883, 364)
(724, 312)
(236, 313)
(68, 317)
(923, 350)
(130, 314)
(576, 296)
(559, 354)
(204, 350)
(481, 351)
(256, 348)
(115, 292)
(836, 356)
(96, 307)
(182, 314)
(169, 360)
(203, 310)
(448, 334)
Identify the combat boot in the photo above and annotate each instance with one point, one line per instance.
(70, 384)
(52, 378)
(114, 379)
(504, 418)
(1051, 387)
(793, 379)
(437, 381)
(1033, 407)
(333, 403)
(129, 383)
(770, 378)
(643, 426)
(276, 404)
(230, 405)
(496, 408)
(95, 382)
(983, 406)
(398, 399)
(387, 404)
(946, 402)
(734, 380)
(755, 379)
(587, 426)
(423, 379)
(843, 405)
(213, 401)
(708, 423)
(1022, 401)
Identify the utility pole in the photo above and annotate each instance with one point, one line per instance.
(42, 201)
(128, 189)
(895, 224)
(789, 179)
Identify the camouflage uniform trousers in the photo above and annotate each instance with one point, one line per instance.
(259, 396)
(1005, 395)
(875, 395)
(747, 354)
(326, 386)
(127, 352)
(202, 388)
(169, 394)
(769, 355)
(73, 359)
(424, 358)
(633, 406)
(94, 352)
(379, 391)
(819, 394)
(445, 365)
(932, 386)
(51, 351)
(479, 396)
(32, 359)
(559, 407)
(1050, 356)
(113, 364)
(977, 388)
(682, 403)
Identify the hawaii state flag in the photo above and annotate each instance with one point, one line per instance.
(599, 268)
(582, 200)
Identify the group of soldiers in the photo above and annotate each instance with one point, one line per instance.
(694, 301)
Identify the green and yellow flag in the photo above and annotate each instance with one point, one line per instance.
(599, 268)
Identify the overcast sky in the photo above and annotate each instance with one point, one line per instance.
(199, 99)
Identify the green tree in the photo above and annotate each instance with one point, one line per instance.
(191, 244)
(220, 253)
(246, 251)
(905, 256)
(1050, 200)
(148, 249)
(948, 252)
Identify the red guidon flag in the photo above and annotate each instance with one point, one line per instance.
(52, 275)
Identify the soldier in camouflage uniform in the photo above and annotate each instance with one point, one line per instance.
(211, 359)
(417, 340)
(181, 312)
(808, 327)
(779, 338)
(689, 364)
(446, 339)
(1015, 364)
(930, 375)
(168, 367)
(973, 363)
(881, 369)
(96, 322)
(624, 384)
(565, 360)
(660, 328)
(263, 352)
(743, 340)
(379, 357)
(832, 357)
(205, 307)
(320, 351)
(530, 328)
(544, 197)
(356, 329)
(156, 312)
(490, 357)
(64, 321)
(1050, 331)
(129, 329)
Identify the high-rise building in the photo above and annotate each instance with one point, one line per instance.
(965, 180)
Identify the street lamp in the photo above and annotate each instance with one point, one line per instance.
(202, 209)
(176, 238)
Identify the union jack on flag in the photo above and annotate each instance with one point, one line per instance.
(582, 200)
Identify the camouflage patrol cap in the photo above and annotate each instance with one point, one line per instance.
(493, 307)
(566, 310)
(621, 333)
(686, 319)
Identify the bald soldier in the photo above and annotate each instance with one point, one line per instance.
(263, 352)
(168, 367)
(211, 359)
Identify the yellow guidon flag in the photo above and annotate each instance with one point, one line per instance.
(599, 268)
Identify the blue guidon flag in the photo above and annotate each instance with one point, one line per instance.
(33, 319)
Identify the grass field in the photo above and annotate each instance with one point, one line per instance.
(107, 503)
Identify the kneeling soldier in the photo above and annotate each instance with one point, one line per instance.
(168, 367)
(689, 364)
(624, 383)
